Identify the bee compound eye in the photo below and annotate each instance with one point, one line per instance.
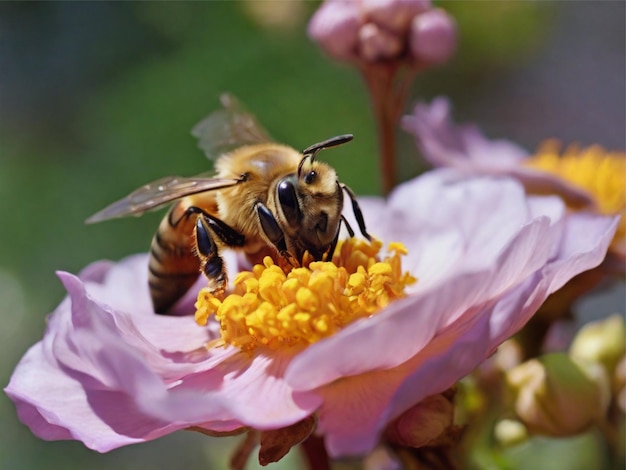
(289, 202)
(310, 177)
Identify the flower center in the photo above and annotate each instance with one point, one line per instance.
(271, 308)
(602, 174)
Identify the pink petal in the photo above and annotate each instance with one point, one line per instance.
(444, 143)
(574, 255)
(57, 406)
(252, 389)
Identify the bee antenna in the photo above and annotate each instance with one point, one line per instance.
(312, 151)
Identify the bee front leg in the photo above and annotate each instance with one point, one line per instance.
(274, 233)
(211, 263)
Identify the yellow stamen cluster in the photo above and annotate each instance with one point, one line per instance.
(602, 174)
(271, 308)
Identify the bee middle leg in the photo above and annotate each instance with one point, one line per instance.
(211, 263)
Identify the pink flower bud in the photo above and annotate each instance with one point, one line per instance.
(335, 28)
(424, 423)
(433, 36)
(394, 15)
(378, 44)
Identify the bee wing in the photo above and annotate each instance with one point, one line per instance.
(227, 128)
(159, 192)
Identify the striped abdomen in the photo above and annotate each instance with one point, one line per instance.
(173, 266)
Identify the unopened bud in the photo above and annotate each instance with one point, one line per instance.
(378, 44)
(510, 432)
(424, 423)
(335, 28)
(556, 395)
(433, 36)
(601, 341)
(394, 15)
(508, 355)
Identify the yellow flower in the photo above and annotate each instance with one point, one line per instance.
(602, 174)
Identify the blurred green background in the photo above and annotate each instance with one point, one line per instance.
(97, 99)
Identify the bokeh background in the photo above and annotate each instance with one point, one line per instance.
(98, 98)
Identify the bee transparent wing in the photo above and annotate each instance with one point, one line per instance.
(158, 193)
(228, 128)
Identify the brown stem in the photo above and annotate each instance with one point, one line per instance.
(379, 80)
(388, 84)
(315, 453)
(240, 457)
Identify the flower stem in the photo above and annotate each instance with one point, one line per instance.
(242, 453)
(315, 453)
(388, 84)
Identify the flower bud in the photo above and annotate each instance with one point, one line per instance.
(433, 36)
(394, 15)
(378, 44)
(335, 28)
(558, 396)
(424, 423)
(508, 355)
(601, 341)
(510, 432)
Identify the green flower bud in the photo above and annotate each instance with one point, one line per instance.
(558, 396)
(510, 432)
(602, 341)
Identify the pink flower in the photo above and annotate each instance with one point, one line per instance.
(589, 178)
(109, 372)
(383, 30)
(463, 146)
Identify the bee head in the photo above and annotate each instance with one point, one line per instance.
(311, 202)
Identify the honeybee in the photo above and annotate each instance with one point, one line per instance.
(264, 199)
